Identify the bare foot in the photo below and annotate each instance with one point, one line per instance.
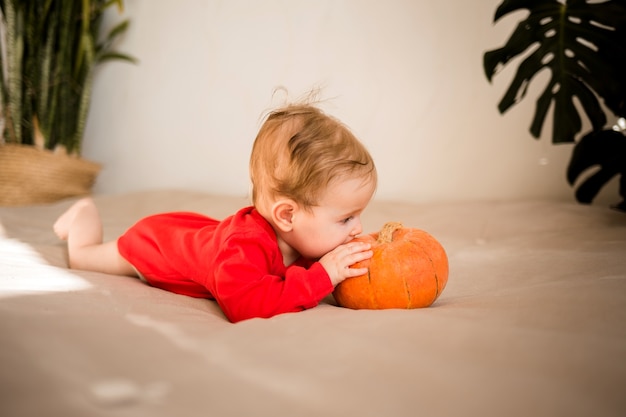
(64, 222)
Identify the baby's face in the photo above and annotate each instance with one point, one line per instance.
(334, 221)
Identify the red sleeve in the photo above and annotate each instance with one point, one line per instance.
(251, 280)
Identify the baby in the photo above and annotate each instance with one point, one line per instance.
(311, 180)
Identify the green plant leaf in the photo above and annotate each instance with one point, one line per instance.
(12, 109)
(47, 63)
(119, 3)
(110, 56)
(118, 30)
(582, 44)
(113, 34)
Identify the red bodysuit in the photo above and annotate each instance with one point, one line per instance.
(236, 262)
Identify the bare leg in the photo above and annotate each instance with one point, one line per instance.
(81, 226)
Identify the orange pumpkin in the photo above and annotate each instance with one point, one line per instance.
(409, 269)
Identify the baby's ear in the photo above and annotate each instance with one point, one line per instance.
(282, 214)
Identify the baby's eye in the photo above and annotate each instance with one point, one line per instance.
(346, 220)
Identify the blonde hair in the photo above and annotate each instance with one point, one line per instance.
(299, 150)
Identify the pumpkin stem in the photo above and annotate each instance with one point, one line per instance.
(386, 233)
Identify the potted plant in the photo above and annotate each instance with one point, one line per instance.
(50, 49)
(583, 45)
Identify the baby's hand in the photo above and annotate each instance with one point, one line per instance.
(337, 262)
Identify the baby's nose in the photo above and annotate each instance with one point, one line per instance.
(357, 230)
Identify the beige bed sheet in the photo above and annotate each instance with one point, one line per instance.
(531, 323)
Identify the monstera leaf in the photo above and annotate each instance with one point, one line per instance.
(606, 150)
(582, 44)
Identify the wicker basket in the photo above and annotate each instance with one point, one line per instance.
(32, 176)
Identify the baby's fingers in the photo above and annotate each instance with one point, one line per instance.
(360, 256)
(338, 261)
(355, 272)
(358, 252)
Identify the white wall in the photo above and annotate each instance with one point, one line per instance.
(406, 76)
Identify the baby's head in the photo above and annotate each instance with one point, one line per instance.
(299, 151)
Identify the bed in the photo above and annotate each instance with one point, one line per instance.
(532, 323)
